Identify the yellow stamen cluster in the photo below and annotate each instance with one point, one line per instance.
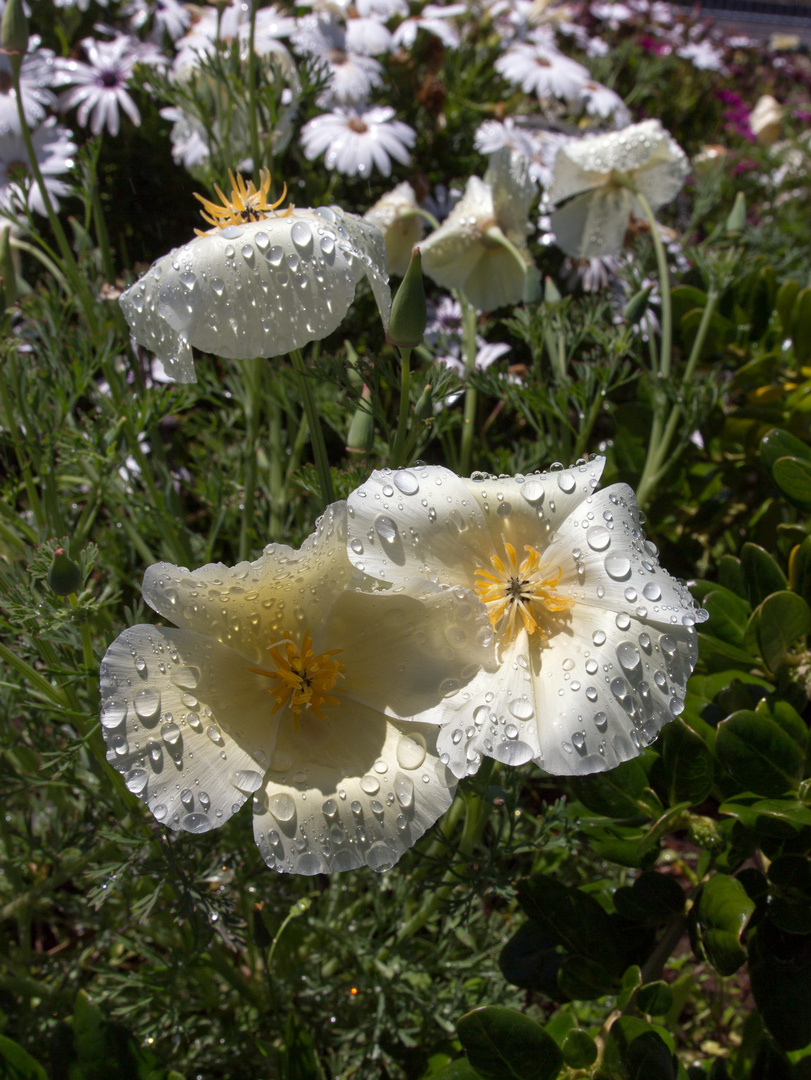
(301, 678)
(245, 204)
(527, 590)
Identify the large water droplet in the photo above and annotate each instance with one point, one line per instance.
(598, 538)
(618, 567)
(533, 492)
(282, 807)
(386, 529)
(247, 780)
(628, 656)
(379, 857)
(411, 751)
(652, 591)
(170, 733)
(370, 784)
(566, 482)
(302, 236)
(329, 808)
(406, 482)
(147, 704)
(404, 790)
(186, 678)
(113, 714)
(196, 823)
(521, 708)
(136, 780)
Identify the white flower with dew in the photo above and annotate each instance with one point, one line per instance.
(100, 86)
(481, 247)
(356, 142)
(397, 216)
(594, 640)
(539, 68)
(55, 151)
(288, 684)
(601, 176)
(262, 282)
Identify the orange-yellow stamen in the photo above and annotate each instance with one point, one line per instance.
(302, 679)
(527, 590)
(245, 204)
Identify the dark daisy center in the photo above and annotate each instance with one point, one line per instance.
(356, 124)
(108, 78)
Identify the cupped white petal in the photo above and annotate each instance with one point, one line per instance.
(251, 605)
(513, 190)
(494, 278)
(258, 289)
(358, 792)
(186, 723)
(593, 223)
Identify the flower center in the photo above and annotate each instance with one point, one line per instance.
(356, 124)
(245, 204)
(301, 678)
(527, 590)
(108, 78)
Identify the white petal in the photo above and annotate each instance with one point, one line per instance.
(186, 723)
(361, 794)
(593, 223)
(259, 289)
(492, 280)
(250, 606)
(513, 189)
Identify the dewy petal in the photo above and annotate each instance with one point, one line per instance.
(513, 191)
(493, 279)
(594, 223)
(186, 723)
(358, 796)
(259, 289)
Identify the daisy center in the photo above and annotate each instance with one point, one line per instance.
(302, 680)
(245, 204)
(525, 590)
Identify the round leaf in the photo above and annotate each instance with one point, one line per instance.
(502, 1044)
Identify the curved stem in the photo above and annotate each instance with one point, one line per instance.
(49, 264)
(396, 455)
(316, 434)
(664, 286)
(471, 396)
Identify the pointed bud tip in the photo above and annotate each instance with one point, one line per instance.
(64, 577)
(409, 313)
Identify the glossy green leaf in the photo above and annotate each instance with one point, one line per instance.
(579, 1049)
(786, 296)
(778, 443)
(619, 793)
(794, 478)
(629, 984)
(761, 756)
(801, 326)
(780, 622)
(583, 979)
(762, 574)
(531, 959)
(800, 570)
(654, 998)
(720, 915)
(729, 615)
(621, 844)
(457, 1070)
(779, 818)
(502, 1044)
(687, 763)
(780, 973)
(573, 918)
(653, 898)
(649, 1057)
(17, 1064)
(730, 575)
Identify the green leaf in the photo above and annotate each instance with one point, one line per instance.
(779, 818)
(531, 959)
(778, 443)
(801, 327)
(579, 1049)
(653, 898)
(786, 297)
(502, 1044)
(457, 1070)
(688, 764)
(763, 575)
(780, 973)
(777, 624)
(654, 998)
(572, 918)
(729, 615)
(618, 843)
(649, 1057)
(719, 917)
(619, 793)
(583, 979)
(793, 476)
(800, 569)
(17, 1064)
(761, 756)
(730, 575)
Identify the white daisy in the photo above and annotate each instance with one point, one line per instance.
(36, 79)
(599, 177)
(599, 101)
(481, 248)
(433, 19)
(166, 17)
(260, 283)
(594, 640)
(703, 55)
(189, 138)
(356, 142)
(54, 149)
(100, 86)
(288, 685)
(368, 36)
(352, 76)
(538, 68)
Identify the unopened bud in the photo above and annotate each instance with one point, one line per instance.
(736, 222)
(7, 272)
(64, 577)
(14, 32)
(551, 293)
(408, 311)
(424, 409)
(637, 306)
(361, 436)
(353, 375)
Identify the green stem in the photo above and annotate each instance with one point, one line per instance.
(316, 434)
(87, 648)
(49, 264)
(253, 413)
(278, 488)
(70, 267)
(396, 454)
(253, 106)
(471, 396)
(664, 286)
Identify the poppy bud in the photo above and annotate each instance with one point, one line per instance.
(14, 32)
(408, 311)
(64, 577)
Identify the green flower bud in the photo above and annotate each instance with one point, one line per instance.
(362, 429)
(352, 373)
(7, 272)
(14, 31)
(64, 577)
(637, 306)
(551, 293)
(408, 311)
(736, 222)
(424, 409)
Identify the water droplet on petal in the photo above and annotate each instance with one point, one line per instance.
(113, 714)
(147, 704)
(617, 567)
(370, 784)
(411, 751)
(170, 733)
(282, 807)
(598, 538)
(136, 780)
(406, 482)
(247, 780)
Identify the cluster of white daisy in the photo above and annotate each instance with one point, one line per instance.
(430, 621)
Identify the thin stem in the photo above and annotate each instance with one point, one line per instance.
(664, 286)
(396, 455)
(49, 264)
(253, 413)
(471, 396)
(253, 107)
(278, 490)
(316, 434)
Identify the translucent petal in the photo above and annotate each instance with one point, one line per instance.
(251, 605)
(493, 279)
(258, 289)
(513, 190)
(593, 223)
(360, 793)
(186, 723)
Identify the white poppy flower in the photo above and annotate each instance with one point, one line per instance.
(289, 683)
(260, 283)
(481, 245)
(395, 214)
(600, 175)
(594, 640)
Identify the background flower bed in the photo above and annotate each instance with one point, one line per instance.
(674, 889)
